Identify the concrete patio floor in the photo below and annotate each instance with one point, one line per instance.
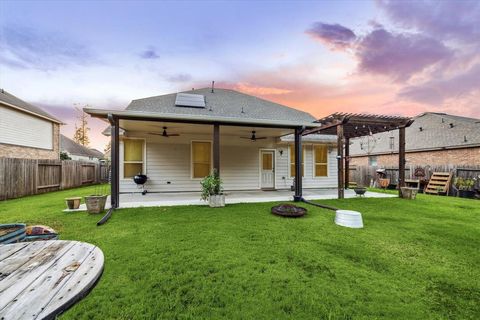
(137, 200)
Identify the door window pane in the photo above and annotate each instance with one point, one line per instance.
(267, 161)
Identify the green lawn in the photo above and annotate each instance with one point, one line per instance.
(413, 260)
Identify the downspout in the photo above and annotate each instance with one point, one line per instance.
(114, 132)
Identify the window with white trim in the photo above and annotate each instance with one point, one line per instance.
(320, 154)
(133, 157)
(201, 159)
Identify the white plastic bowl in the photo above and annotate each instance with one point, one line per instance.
(349, 219)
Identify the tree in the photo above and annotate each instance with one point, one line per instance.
(64, 156)
(108, 149)
(81, 128)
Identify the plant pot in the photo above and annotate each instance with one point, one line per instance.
(73, 203)
(360, 191)
(409, 193)
(95, 204)
(216, 200)
(466, 194)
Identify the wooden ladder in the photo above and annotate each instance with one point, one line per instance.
(439, 182)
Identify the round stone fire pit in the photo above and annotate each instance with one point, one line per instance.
(289, 210)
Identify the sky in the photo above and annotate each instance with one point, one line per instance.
(384, 57)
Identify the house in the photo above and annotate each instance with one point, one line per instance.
(177, 139)
(432, 139)
(27, 131)
(76, 151)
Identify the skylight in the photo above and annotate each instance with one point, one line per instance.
(190, 100)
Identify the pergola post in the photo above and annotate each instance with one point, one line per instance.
(115, 165)
(347, 162)
(298, 165)
(341, 191)
(401, 159)
(216, 148)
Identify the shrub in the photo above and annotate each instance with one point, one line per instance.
(211, 185)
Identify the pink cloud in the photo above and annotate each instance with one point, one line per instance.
(335, 36)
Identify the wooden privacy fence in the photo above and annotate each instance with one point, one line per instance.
(363, 175)
(22, 177)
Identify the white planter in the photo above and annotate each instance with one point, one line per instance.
(216, 201)
(349, 219)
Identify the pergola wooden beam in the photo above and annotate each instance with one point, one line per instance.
(353, 125)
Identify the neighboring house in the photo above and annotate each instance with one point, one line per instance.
(432, 139)
(27, 131)
(77, 151)
(171, 139)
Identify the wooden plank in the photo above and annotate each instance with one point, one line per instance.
(77, 286)
(12, 285)
(29, 303)
(438, 181)
(19, 258)
(49, 186)
(9, 249)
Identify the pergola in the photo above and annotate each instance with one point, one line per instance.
(349, 125)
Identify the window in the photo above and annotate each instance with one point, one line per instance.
(292, 161)
(321, 160)
(132, 157)
(372, 161)
(392, 143)
(201, 159)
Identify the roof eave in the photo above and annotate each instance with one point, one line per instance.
(172, 117)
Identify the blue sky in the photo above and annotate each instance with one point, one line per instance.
(107, 53)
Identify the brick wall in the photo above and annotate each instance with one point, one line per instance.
(12, 151)
(466, 156)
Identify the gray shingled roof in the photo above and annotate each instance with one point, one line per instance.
(71, 147)
(319, 138)
(222, 103)
(436, 134)
(9, 98)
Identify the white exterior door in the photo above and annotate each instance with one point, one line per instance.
(267, 169)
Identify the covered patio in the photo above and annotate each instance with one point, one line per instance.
(135, 200)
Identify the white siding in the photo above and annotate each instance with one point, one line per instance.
(22, 129)
(283, 179)
(168, 160)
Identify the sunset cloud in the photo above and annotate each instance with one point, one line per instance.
(399, 56)
(335, 36)
(258, 90)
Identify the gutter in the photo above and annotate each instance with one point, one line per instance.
(200, 119)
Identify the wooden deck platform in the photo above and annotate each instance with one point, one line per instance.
(39, 280)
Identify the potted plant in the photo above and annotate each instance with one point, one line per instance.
(73, 202)
(96, 202)
(212, 190)
(465, 187)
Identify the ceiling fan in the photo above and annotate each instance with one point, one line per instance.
(254, 137)
(164, 133)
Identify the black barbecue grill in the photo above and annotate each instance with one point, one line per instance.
(140, 180)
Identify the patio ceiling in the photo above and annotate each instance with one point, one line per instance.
(187, 128)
